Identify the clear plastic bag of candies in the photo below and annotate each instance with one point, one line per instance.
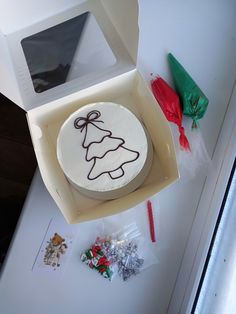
(124, 253)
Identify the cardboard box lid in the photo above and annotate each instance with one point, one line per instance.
(118, 21)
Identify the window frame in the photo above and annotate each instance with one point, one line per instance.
(205, 220)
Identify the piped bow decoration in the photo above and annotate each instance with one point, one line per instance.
(92, 117)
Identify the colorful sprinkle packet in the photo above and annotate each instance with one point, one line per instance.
(95, 258)
(193, 100)
(110, 257)
(55, 248)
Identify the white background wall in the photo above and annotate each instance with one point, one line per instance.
(201, 34)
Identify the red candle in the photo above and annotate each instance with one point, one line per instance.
(151, 221)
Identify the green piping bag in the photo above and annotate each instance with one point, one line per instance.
(193, 100)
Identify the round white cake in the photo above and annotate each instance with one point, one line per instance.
(104, 150)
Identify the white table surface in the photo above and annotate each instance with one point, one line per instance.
(77, 289)
(202, 35)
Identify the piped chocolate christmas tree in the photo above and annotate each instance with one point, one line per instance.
(101, 147)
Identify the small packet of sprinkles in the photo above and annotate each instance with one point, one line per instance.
(123, 254)
(116, 254)
(96, 259)
(55, 248)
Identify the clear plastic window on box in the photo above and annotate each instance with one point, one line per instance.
(66, 51)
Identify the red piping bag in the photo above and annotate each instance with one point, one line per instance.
(170, 105)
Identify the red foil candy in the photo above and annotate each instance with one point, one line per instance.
(170, 105)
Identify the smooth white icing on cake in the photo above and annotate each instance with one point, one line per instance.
(102, 147)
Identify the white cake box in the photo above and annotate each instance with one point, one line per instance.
(102, 67)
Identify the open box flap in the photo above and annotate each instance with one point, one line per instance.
(124, 16)
(118, 21)
(28, 12)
